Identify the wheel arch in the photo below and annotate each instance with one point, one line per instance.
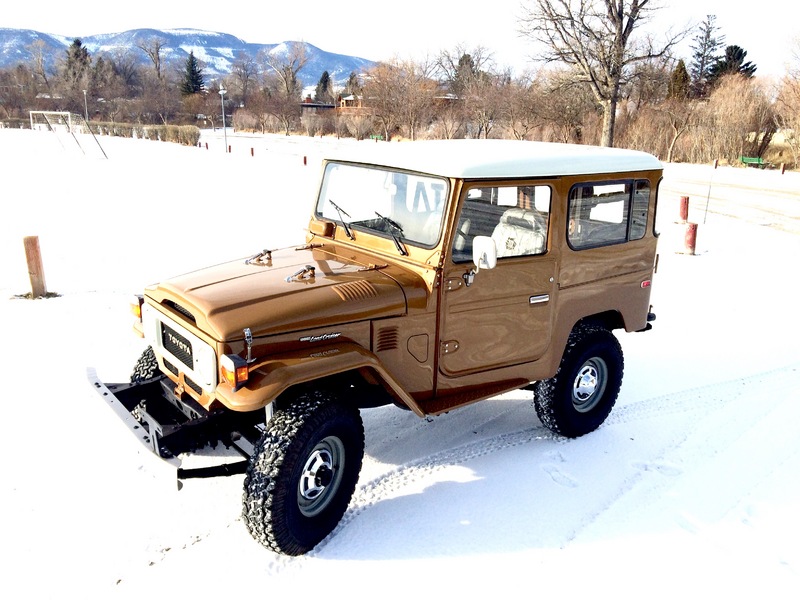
(610, 319)
(348, 367)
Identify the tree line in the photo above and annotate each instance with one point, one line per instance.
(596, 83)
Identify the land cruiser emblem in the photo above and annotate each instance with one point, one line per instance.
(320, 338)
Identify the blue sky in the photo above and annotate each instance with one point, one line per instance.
(419, 28)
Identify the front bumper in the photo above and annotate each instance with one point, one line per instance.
(169, 426)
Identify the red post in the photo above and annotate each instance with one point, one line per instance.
(229, 149)
(206, 145)
(305, 160)
(251, 152)
(690, 238)
(684, 209)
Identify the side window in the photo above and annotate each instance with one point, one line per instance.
(607, 213)
(517, 218)
(641, 201)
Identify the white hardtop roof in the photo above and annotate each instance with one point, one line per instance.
(489, 159)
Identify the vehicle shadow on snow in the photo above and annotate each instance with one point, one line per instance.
(507, 490)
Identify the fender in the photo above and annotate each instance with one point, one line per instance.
(270, 376)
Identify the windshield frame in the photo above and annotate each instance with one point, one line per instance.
(414, 203)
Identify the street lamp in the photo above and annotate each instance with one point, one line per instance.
(222, 91)
(85, 107)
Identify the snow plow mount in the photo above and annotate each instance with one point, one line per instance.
(169, 426)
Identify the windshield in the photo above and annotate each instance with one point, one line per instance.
(402, 206)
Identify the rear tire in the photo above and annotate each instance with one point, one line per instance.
(579, 398)
(303, 473)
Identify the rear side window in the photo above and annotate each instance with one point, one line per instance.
(605, 213)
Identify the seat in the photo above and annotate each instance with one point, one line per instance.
(518, 234)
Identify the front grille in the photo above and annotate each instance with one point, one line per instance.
(170, 367)
(177, 345)
(198, 390)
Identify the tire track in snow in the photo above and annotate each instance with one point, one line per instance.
(699, 402)
(736, 416)
(696, 402)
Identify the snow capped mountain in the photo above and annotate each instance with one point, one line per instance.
(217, 51)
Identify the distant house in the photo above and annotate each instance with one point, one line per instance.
(309, 107)
(351, 101)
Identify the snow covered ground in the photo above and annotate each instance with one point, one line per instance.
(691, 488)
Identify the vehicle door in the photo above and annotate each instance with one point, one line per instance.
(501, 316)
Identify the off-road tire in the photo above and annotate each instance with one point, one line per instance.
(146, 366)
(583, 391)
(303, 473)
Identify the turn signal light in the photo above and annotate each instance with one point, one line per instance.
(136, 307)
(234, 370)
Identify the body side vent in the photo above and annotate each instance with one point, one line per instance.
(387, 339)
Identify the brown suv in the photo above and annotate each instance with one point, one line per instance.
(433, 275)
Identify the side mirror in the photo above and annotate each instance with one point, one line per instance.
(484, 252)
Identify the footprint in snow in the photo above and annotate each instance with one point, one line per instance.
(659, 467)
(559, 476)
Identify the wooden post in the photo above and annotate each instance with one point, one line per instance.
(35, 267)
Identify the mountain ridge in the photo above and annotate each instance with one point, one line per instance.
(216, 51)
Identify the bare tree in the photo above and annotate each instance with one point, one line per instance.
(737, 120)
(596, 37)
(521, 114)
(154, 48)
(566, 108)
(245, 72)
(449, 120)
(282, 85)
(787, 105)
(39, 59)
(286, 66)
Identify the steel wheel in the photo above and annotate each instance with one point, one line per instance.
(303, 473)
(582, 393)
(322, 475)
(589, 384)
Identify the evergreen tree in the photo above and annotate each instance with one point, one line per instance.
(193, 81)
(324, 91)
(679, 82)
(706, 46)
(466, 73)
(76, 68)
(353, 86)
(732, 62)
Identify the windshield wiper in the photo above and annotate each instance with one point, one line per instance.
(394, 226)
(342, 215)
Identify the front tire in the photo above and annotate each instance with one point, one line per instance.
(579, 398)
(303, 473)
(146, 366)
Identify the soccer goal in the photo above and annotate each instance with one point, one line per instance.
(69, 129)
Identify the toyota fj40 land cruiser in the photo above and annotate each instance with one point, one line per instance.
(433, 275)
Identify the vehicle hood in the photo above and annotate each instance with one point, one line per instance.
(270, 297)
